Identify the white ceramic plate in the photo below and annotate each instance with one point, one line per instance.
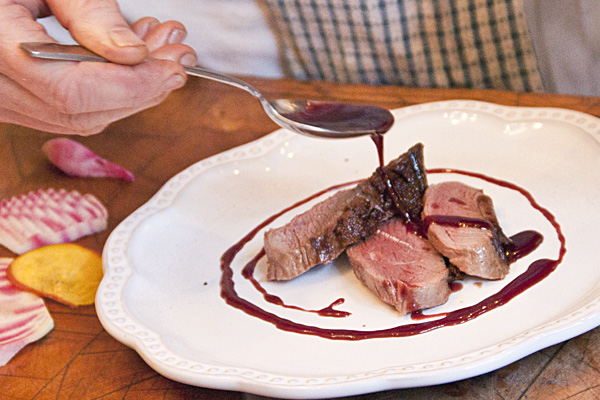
(161, 293)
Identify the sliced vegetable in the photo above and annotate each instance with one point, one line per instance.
(48, 216)
(66, 272)
(24, 317)
(77, 160)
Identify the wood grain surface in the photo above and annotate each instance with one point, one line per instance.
(79, 360)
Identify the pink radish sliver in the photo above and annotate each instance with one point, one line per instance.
(75, 159)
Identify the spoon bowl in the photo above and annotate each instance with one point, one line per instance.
(324, 119)
(331, 119)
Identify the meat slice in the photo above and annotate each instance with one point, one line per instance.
(401, 268)
(322, 233)
(462, 225)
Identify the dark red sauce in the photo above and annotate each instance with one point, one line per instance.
(521, 244)
(457, 201)
(378, 140)
(333, 116)
(248, 273)
(524, 243)
(459, 222)
(456, 286)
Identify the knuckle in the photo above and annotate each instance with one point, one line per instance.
(14, 12)
(93, 131)
(81, 124)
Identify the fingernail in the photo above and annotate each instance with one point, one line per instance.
(177, 36)
(176, 81)
(124, 37)
(188, 60)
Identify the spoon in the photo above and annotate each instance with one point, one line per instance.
(309, 117)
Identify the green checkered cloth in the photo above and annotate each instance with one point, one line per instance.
(419, 43)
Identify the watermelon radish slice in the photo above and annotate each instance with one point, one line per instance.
(48, 217)
(24, 317)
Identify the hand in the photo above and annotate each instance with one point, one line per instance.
(83, 98)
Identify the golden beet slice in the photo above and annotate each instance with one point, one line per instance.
(66, 272)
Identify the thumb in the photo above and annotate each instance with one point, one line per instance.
(99, 26)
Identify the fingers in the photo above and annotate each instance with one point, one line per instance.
(142, 26)
(37, 8)
(176, 52)
(99, 26)
(157, 34)
(164, 40)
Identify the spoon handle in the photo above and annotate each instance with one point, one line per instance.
(68, 52)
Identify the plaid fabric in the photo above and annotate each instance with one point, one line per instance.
(422, 43)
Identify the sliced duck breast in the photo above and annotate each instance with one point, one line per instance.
(461, 224)
(401, 268)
